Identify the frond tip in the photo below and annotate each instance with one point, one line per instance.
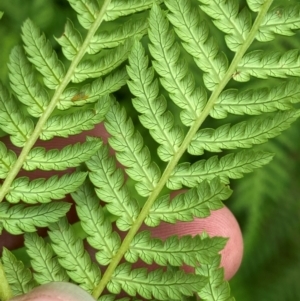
(72, 256)
(216, 289)
(43, 260)
(196, 202)
(174, 251)
(157, 284)
(96, 224)
(19, 277)
(232, 166)
(18, 219)
(44, 190)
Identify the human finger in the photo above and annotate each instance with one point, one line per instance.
(56, 291)
(220, 223)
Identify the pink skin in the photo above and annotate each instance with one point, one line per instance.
(220, 223)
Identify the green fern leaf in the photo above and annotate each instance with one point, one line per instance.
(255, 5)
(44, 263)
(257, 101)
(44, 190)
(19, 277)
(42, 55)
(151, 106)
(54, 159)
(105, 64)
(119, 8)
(228, 19)
(194, 34)
(7, 160)
(92, 92)
(72, 256)
(262, 65)
(243, 134)
(18, 219)
(130, 150)
(12, 121)
(196, 202)
(71, 124)
(174, 251)
(71, 41)
(87, 11)
(229, 166)
(95, 224)
(76, 122)
(280, 21)
(216, 289)
(131, 28)
(159, 284)
(175, 77)
(109, 183)
(23, 82)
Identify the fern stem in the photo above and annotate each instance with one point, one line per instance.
(53, 103)
(181, 150)
(5, 290)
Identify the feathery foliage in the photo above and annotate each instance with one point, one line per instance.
(120, 184)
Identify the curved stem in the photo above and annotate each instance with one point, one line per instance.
(53, 103)
(172, 164)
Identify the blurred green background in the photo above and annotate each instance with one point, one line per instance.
(265, 202)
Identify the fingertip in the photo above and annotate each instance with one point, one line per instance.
(56, 291)
(220, 223)
(223, 223)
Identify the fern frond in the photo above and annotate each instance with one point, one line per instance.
(159, 284)
(257, 101)
(262, 65)
(80, 90)
(7, 160)
(281, 21)
(105, 64)
(130, 150)
(23, 82)
(71, 41)
(229, 166)
(228, 19)
(175, 77)
(255, 5)
(74, 123)
(44, 263)
(151, 106)
(92, 92)
(174, 251)
(44, 190)
(19, 218)
(12, 120)
(54, 159)
(95, 224)
(42, 56)
(131, 29)
(243, 134)
(119, 8)
(72, 256)
(87, 11)
(194, 35)
(109, 183)
(196, 202)
(19, 277)
(216, 289)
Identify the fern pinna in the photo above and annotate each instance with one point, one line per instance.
(141, 44)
